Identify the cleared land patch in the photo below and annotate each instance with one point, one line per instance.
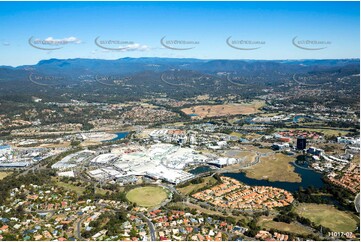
(4, 174)
(274, 167)
(148, 196)
(194, 187)
(281, 226)
(328, 216)
(78, 189)
(325, 131)
(203, 111)
(208, 211)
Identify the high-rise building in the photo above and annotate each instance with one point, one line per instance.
(301, 143)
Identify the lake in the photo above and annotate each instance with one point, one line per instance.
(199, 170)
(309, 178)
(120, 135)
(296, 118)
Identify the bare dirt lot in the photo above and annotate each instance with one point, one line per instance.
(203, 111)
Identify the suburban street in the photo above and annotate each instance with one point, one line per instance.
(151, 227)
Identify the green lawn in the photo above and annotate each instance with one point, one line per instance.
(78, 189)
(328, 216)
(184, 205)
(274, 167)
(325, 131)
(281, 226)
(148, 196)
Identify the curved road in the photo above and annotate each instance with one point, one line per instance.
(357, 202)
(150, 225)
(77, 231)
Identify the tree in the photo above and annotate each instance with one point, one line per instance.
(9, 237)
(75, 143)
(133, 232)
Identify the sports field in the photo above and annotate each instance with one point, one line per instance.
(148, 196)
(328, 216)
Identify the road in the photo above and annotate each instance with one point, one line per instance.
(151, 227)
(77, 227)
(77, 230)
(46, 211)
(357, 202)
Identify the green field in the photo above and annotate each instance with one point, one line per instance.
(4, 174)
(274, 167)
(184, 205)
(78, 189)
(149, 196)
(194, 187)
(328, 216)
(325, 131)
(281, 226)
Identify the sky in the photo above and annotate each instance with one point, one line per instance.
(34, 31)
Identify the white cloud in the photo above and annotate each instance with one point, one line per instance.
(68, 40)
(134, 47)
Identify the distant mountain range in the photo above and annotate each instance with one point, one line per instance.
(133, 65)
(132, 78)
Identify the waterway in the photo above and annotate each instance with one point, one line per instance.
(200, 170)
(120, 135)
(309, 177)
(296, 118)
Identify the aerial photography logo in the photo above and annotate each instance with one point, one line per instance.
(245, 44)
(307, 44)
(182, 78)
(52, 44)
(176, 44)
(111, 80)
(119, 45)
(45, 80)
(5, 42)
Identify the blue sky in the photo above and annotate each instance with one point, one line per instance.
(269, 26)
